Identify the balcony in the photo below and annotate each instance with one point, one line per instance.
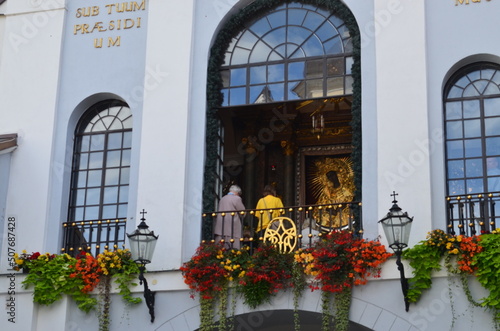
(309, 220)
(94, 236)
(471, 215)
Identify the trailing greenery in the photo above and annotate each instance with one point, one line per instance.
(53, 276)
(336, 263)
(424, 259)
(231, 28)
(463, 257)
(487, 263)
(50, 276)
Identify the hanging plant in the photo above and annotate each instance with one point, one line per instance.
(209, 274)
(334, 265)
(486, 263)
(463, 256)
(269, 272)
(339, 261)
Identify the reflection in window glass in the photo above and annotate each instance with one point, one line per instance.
(225, 77)
(471, 108)
(492, 126)
(258, 75)
(276, 73)
(238, 77)
(474, 186)
(473, 148)
(314, 69)
(295, 90)
(314, 88)
(456, 169)
(349, 80)
(313, 47)
(472, 128)
(335, 66)
(111, 194)
(453, 110)
(335, 86)
(454, 130)
(455, 149)
(296, 70)
(277, 19)
(277, 91)
(493, 146)
(456, 187)
(326, 31)
(334, 46)
(473, 167)
(95, 159)
(492, 107)
(237, 96)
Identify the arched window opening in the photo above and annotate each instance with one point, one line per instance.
(284, 105)
(100, 178)
(472, 122)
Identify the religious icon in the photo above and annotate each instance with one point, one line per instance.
(331, 182)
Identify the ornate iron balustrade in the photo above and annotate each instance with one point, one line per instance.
(470, 215)
(310, 220)
(93, 236)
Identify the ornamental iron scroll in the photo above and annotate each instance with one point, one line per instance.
(281, 233)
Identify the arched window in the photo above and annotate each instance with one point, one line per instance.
(100, 178)
(295, 52)
(472, 130)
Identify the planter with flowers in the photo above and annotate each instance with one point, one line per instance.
(336, 263)
(53, 276)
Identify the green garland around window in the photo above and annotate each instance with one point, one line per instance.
(214, 84)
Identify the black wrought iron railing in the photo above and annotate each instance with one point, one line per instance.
(94, 236)
(310, 221)
(471, 215)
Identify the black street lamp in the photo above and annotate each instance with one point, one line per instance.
(142, 245)
(397, 227)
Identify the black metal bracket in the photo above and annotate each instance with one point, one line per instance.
(404, 281)
(149, 295)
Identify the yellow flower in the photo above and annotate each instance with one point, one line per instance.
(19, 261)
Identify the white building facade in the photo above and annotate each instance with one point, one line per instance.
(150, 58)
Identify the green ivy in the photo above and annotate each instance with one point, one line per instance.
(424, 259)
(51, 279)
(487, 273)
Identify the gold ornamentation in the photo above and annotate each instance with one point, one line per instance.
(332, 182)
(281, 233)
